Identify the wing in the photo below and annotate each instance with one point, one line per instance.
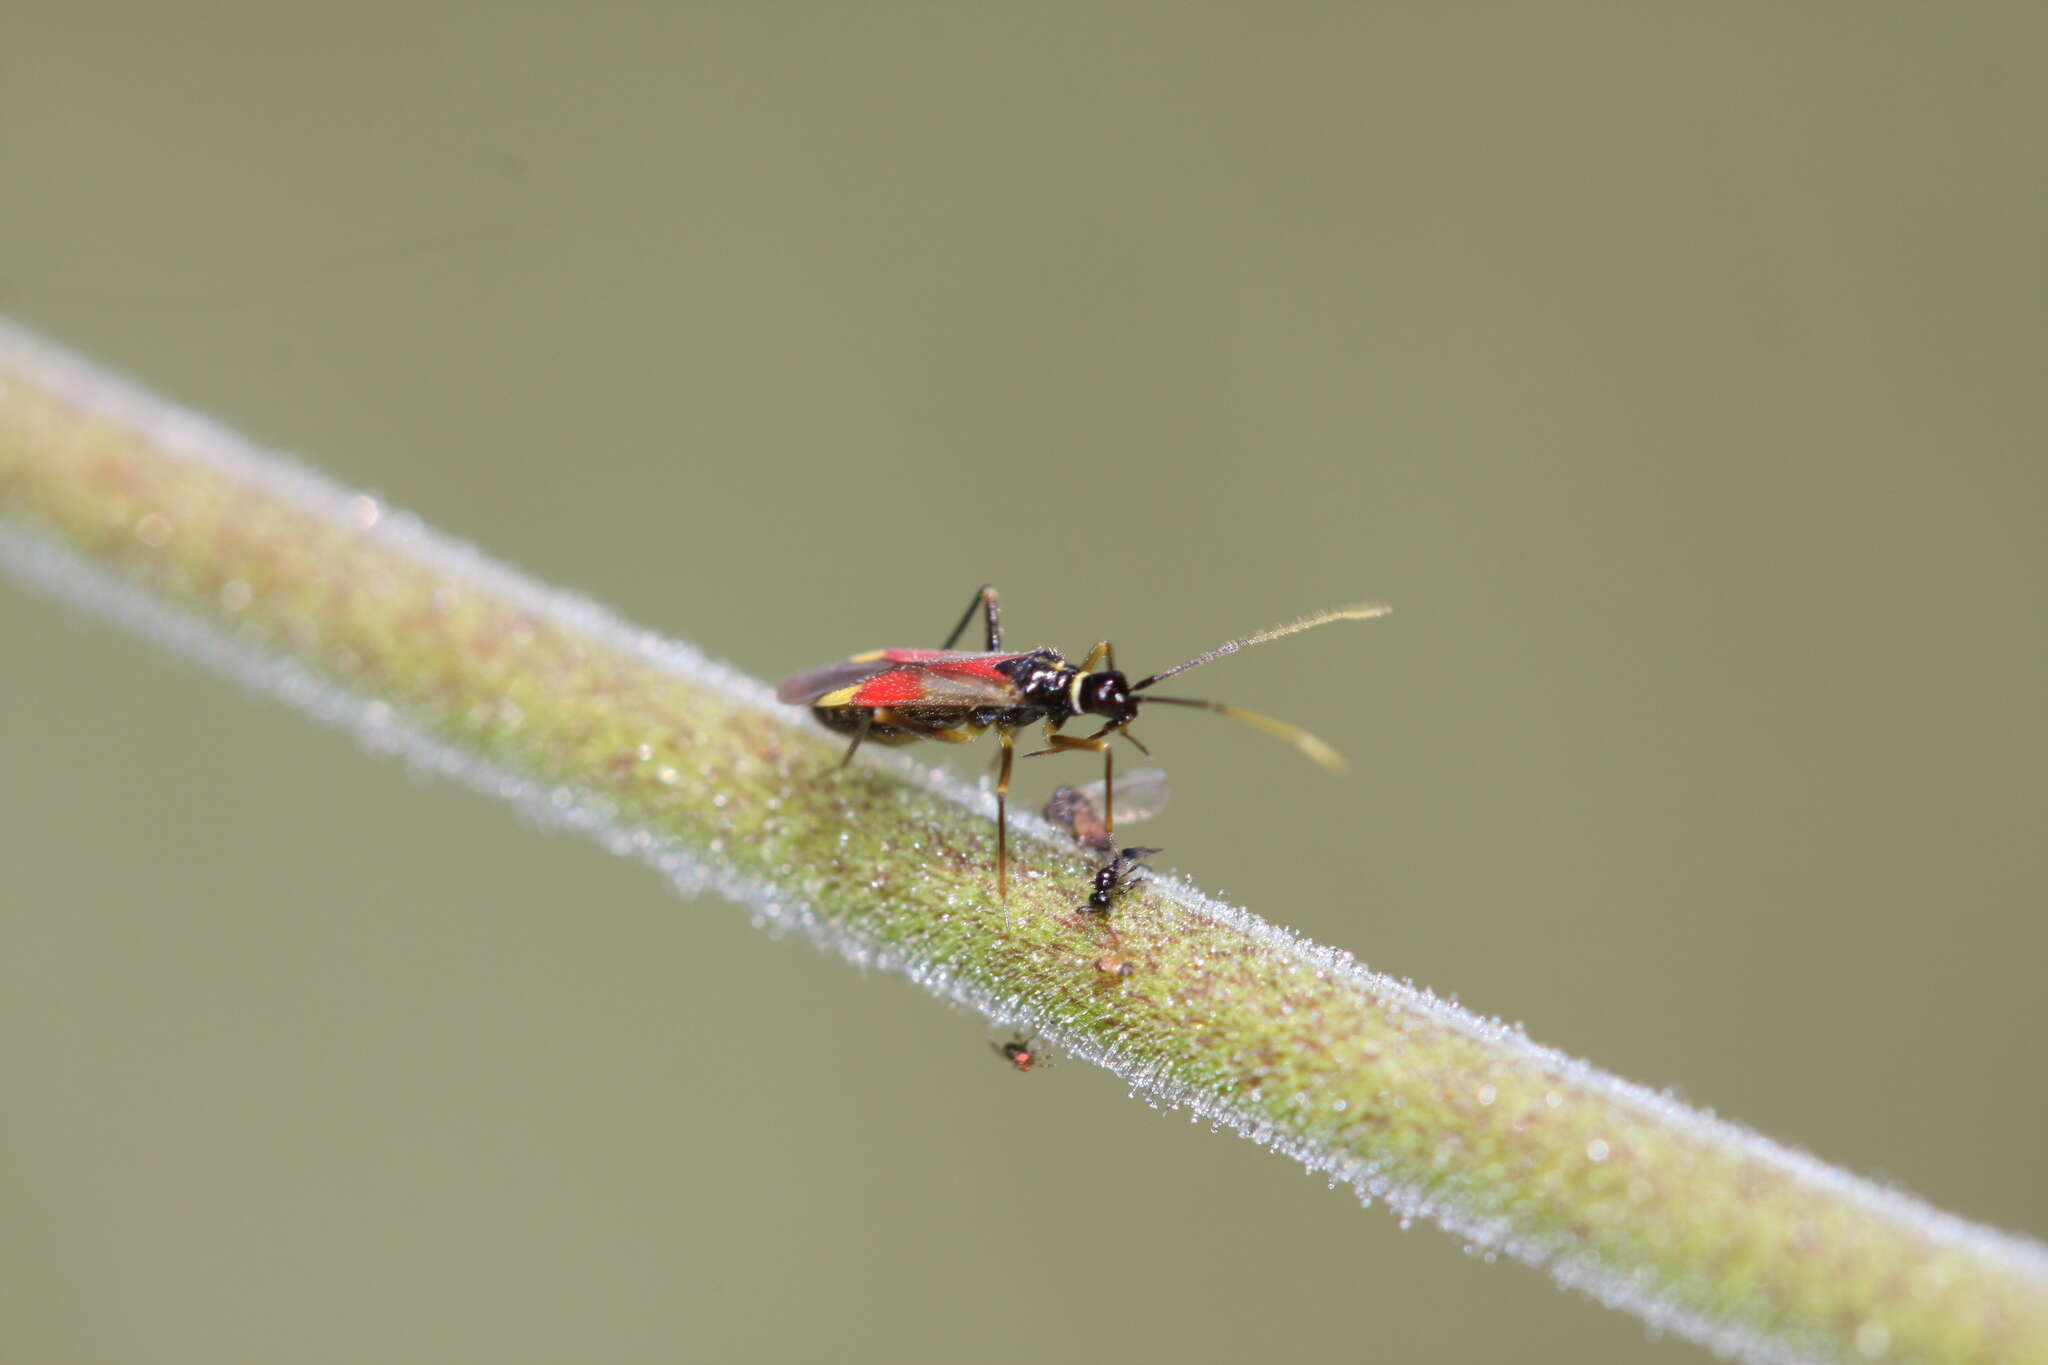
(904, 677)
(1140, 794)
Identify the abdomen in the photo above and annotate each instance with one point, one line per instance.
(898, 724)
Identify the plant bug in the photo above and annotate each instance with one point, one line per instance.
(1080, 810)
(899, 696)
(1019, 1052)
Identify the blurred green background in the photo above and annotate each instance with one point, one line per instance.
(1676, 371)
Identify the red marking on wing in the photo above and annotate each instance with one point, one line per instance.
(953, 662)
(944, 680)
(939, 677)
(898, 687)
(973, 670)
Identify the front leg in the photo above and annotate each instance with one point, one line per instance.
(1057, 743)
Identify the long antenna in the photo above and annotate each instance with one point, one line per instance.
(1362, 612)
(1280, 729)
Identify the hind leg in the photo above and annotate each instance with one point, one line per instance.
(1003, 815)
(984, 602)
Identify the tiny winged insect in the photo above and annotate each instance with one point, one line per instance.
(900, 696)
(1020, 1052)
(1141, 795)
(1114, 877)
(1082, 811)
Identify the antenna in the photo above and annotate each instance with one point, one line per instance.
(1362, 612)
(1279, 729)
(1301, 739)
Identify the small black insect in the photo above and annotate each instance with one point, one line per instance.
(1114, 877)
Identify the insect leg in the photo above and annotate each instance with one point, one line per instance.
(1103, 649)
(1056, 743)
(1108, 790)
(867, 720)
(1003, 815)
(985, 600)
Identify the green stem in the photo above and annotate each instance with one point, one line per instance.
(357, 613)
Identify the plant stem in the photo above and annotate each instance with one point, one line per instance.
(362, 616)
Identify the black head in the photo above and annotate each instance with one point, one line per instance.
(1108, 695)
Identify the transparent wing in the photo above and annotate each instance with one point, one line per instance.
(801, 689)
(1140, 794)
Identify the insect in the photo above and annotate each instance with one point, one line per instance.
(1018, 1052)
(1113, 876)
(899, 696)
(1080, 810)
